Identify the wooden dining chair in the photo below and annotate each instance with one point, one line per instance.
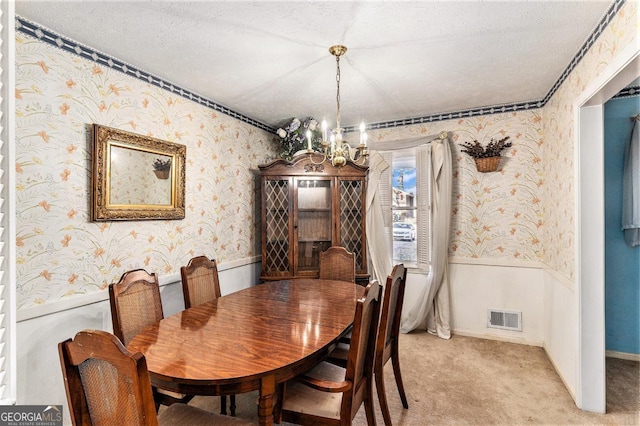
(108, 385)
(336, 263)
(332, 395)
(136, 304)
(200, 281)
(387, 340)
(200, 284)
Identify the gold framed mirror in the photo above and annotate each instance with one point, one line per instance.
(136, 177)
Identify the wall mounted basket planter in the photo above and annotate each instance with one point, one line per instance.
(487, 164)
(162, 174)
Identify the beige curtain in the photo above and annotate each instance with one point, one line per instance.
(432, 308)
(377, 242)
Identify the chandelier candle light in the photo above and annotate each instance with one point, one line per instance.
(334, 148)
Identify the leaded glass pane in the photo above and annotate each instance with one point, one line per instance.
(351, 218)
(277, 223)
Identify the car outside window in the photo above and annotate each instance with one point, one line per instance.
(404, 207)
(404, 189)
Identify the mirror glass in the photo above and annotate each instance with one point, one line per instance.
(136, 177)
(135, 181)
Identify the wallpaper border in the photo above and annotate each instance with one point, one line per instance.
(50, 37)
(604, 22)
(518, 106)
(45, 35)
(628, 92)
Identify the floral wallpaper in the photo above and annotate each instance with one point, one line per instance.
(558, 196)
(60, 252)
(524, 212)
(495, 215)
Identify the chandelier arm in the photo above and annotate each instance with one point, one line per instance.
(338, 152)
(324, 157)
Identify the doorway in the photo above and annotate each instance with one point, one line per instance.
(590, 297)
(622, 262)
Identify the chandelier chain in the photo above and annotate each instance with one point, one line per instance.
(338, 152)
(338, 92)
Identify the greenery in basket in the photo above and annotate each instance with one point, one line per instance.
(293, 136)
(493, 148)
(162, 165)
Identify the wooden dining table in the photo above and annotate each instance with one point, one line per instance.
(252, 339)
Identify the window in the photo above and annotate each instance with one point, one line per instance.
(404, 194)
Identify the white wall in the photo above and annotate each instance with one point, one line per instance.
(477, 287)
(561, 327)
(38, 368)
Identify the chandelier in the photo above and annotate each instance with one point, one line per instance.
(334, 148)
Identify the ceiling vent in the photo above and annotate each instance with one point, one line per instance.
(507, 320)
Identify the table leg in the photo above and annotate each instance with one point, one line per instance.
(265, 410)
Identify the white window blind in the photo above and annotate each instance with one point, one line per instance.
(384, 192)
(423, 189)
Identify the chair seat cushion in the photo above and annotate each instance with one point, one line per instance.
(301, 398)
(339, 355)
(175, 395)
(341, 351)
(183, 414)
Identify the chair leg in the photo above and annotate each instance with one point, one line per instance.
(396, 372)
(156, 398)
(232, 405)
(382, 396)
(368, 404)
(223, 405)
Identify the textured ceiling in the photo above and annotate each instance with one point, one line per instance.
(269, 60)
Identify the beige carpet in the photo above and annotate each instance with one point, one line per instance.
(473, 381)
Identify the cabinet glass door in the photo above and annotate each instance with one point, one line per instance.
(351, 219)
(314, 222)
(276, 259)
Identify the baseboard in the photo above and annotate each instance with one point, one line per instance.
(622, 355)
(499, 338)
(559, 373)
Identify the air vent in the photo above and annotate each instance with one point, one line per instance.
(508, 320)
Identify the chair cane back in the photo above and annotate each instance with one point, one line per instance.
(200, 281)
(336, 263)
(107, 385)
(136, 304)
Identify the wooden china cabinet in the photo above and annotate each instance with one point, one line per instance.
(306, 208)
